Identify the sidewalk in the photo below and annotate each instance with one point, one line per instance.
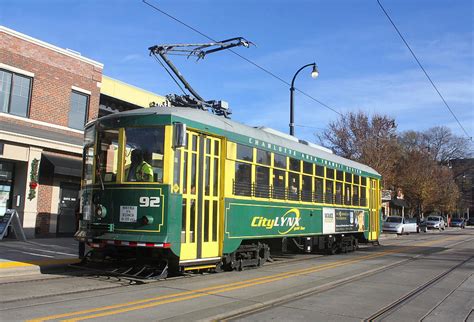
(35, 256)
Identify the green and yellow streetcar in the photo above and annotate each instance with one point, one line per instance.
(195, 190)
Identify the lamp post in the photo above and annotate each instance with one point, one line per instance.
(314, 74)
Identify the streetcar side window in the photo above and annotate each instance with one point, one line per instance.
(107, 156)
(244, 152)
(243, 179)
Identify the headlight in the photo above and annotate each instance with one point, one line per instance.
(100, 211)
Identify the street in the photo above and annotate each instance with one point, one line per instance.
(426, 276)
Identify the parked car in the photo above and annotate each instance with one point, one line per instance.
(470, 221)
(398, 225)
(458, 222)
(435, 222)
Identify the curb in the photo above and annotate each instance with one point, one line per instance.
(12, 268)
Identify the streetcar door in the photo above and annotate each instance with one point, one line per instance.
(200, 187)
(374, 205)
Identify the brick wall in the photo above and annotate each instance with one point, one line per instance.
(55, 73)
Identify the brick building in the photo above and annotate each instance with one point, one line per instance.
(47, 95)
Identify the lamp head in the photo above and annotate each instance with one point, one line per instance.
(315, 72)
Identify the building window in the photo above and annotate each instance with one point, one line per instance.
(79, 110)
(15, 92)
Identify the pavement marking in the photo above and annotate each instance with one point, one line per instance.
(45, 262)
(54, 252)
(186, 295)
(244, 284)
(35, 254)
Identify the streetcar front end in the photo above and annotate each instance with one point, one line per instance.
(127, 204)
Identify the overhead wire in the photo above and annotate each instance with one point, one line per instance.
(423, 69)
(242, 57)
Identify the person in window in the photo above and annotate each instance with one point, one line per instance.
(139, 170)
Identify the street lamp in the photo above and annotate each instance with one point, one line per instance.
(314, 74)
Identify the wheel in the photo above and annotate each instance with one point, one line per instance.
(355, 245)
(332, 249)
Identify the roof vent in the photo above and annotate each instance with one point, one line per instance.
(278, 133)
(319, 147)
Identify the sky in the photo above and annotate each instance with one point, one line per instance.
(363, 64)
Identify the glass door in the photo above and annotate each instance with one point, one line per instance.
(374, 205)
(6, 186)
(197, 177)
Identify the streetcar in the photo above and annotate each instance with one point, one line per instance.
(199, 191)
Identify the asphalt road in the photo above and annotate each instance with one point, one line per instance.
(425, 277)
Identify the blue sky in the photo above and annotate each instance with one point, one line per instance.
(363, 63)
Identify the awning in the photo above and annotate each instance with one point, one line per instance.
(399, 203)
(65, 165)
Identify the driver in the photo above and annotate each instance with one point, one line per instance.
(139, 169)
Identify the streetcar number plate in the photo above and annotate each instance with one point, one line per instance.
(128, 214)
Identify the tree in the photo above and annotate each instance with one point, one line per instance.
(371, 141)
(444, 145)
(428, 184)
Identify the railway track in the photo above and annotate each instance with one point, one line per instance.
(394, 306)
(122, 284)
(383, 312)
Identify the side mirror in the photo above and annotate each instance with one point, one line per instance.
(179, 135)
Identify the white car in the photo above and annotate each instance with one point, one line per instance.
(399, 225)
(435, 222)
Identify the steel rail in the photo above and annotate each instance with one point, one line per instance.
(326, 287)
(387, 310)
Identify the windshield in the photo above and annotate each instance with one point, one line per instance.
(144, 154)
(394, 219)
(433, 218)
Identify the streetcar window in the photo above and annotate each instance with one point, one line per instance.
(177, 168)
(348, 177)
(263, 157)
(144, 150)
(306, 189)
(243, 178)
(294, 186)
(318, 189)
(363, 200)
(348, 194)
(329, 191)
(320, 171)
(330, 173)
(107, 156)
(355, 197)
(279, 190)
(88, 155)
(244, 152)
(363, 181)
(262, 188)
(356, 179)
(279, 161)
(339, 175)
(307, 167)
(338, 193)
(295, 165)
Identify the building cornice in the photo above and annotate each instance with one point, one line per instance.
(27, 120)
(15, 138)
(50, 47)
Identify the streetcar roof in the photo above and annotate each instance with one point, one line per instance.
(222, 123)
